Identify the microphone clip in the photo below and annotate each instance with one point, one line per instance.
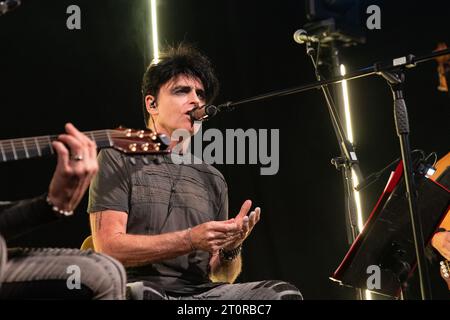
(8, 5)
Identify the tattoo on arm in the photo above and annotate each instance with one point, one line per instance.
(98, 221)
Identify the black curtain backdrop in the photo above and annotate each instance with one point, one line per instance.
(51, 75)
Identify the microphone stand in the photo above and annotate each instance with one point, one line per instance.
(393, 72)
(348, 162)
(376, 69)
(396, 79)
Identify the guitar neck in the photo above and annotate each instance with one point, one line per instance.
(34, 147)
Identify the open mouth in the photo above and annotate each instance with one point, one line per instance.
(190, 110)
(189, 114)
(189, 117)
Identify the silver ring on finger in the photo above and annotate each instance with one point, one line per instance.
(78, 157)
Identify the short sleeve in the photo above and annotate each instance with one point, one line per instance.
(110, 187)
(223, 205)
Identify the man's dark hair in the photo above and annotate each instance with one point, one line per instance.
(181, 60)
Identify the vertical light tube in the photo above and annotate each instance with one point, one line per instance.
(349, 132)
(348, 118)
(154, 24)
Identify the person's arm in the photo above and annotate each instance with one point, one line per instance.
(227, 270)
(23, 216)
(109, 206)
(110, 237)
(77, 164)
(441, 240)
(67, 187)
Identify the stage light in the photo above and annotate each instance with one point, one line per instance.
(349, 132)
(348, 118)
(154, 23)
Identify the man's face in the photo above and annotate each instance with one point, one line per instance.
(175, 99)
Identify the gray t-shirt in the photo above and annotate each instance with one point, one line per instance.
(159, 197)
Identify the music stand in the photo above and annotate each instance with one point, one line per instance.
(386, 242)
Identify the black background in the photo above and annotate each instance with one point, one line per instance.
(50, 75)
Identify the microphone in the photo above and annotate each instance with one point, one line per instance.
(208, 111)
(8, 5)
(301, 36)
(203, 113)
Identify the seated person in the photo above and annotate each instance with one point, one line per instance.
(168, 223)
(46, 273)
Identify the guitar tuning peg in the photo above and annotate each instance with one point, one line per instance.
(133, 147)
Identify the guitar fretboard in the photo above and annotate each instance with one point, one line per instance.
(27, 148)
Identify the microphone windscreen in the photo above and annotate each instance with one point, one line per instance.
(211, 110)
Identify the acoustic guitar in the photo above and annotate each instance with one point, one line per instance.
(128, 141)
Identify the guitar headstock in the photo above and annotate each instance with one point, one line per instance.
(443, 67)
(445, 271)
(445, 58)
(131, 141)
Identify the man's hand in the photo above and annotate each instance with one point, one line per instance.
(245, 223)
(75, 168)
(441, 241)
(214, 235)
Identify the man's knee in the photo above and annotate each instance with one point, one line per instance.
(287, 291)
(105, 276)
(280, 290)
(3, 256)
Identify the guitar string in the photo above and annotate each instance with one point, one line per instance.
(22, 144)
